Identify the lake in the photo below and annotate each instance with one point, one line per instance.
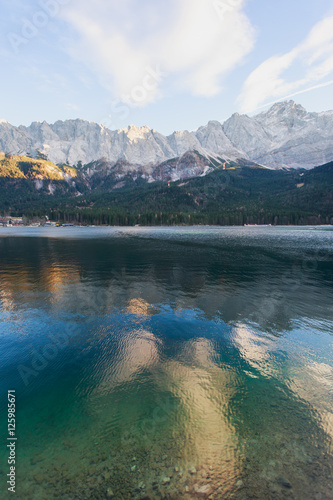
(149, 363)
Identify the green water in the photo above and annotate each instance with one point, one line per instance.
(168, 362)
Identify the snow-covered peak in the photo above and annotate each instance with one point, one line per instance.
(283, 108)
(134, 133)
(285, 135)
(214, 124)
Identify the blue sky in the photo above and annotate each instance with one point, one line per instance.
(169, 64)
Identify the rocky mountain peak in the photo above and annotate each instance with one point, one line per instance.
(284, 136)
(133, 133)
(284, 108)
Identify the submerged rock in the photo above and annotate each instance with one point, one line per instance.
(204, 491)
(285, 482)
(166, 480)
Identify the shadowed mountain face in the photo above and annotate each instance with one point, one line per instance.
(284, 136)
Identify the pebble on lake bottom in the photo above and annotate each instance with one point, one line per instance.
(285, 482)
(203, 491)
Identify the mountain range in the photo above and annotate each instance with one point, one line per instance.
(285, 136)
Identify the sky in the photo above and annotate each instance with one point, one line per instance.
(168, 64)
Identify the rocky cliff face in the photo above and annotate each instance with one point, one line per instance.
(284, 136)
(104, 174)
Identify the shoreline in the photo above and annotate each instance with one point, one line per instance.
(314, 226)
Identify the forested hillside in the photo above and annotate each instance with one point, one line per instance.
(234, 195)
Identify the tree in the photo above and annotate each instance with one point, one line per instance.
(40, 155)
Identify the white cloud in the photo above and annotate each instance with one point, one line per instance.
(189, 40)
(270, 80)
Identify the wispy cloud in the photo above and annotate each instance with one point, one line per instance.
(73, 107)
(273, 79)
(299, 92)
(187, 39)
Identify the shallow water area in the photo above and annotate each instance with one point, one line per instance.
(149, 363)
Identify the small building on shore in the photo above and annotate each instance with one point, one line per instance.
(9, 221)
(5, 221)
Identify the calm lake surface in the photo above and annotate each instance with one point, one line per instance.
(168, 362)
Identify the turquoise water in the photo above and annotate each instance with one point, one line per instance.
(168, 362)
